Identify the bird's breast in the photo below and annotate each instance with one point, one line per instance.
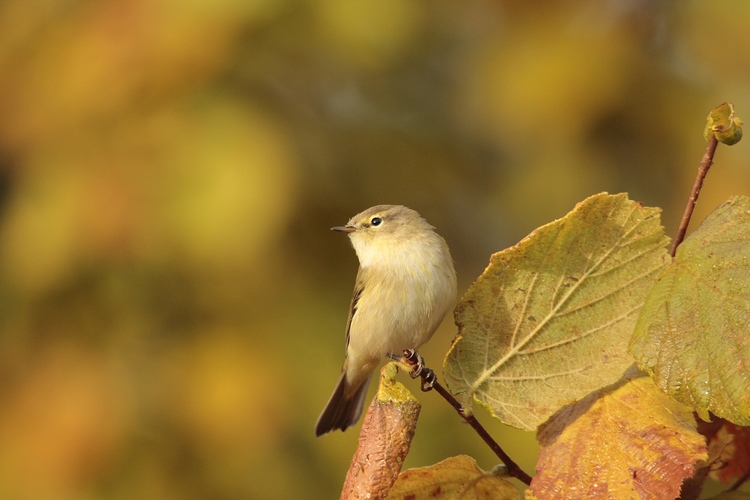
(400, 308)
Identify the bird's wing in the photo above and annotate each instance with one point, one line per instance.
(359, 287)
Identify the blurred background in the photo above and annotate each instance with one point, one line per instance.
(172, 302)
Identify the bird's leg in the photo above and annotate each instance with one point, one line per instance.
(412, 360)
(415, 360)
(428, 379)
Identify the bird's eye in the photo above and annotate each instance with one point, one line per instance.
(376, 221)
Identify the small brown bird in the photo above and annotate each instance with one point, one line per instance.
(405, 285)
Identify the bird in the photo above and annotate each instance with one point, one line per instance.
(405, 285)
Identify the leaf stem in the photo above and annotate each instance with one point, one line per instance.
(740, 480)
(429, 382)
(706, 162)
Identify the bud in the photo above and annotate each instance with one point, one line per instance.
(722, 123)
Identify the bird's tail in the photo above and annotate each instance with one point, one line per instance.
(341, 411)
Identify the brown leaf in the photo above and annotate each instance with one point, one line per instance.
(733, 443)
(692, 487)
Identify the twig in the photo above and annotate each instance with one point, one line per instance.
(740, 480)
(706, 162)
(429, 382)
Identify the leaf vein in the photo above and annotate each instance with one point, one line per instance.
(614, 291)
(582, 335)
(514, 349)
(538, 377)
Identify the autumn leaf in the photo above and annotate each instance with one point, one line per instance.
(733, 447)
(692, 487)
(384, 441)
(628, 440)
(692, 334)
(550, 318)
(455, 477)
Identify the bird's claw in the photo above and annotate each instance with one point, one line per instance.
(415, 361)
(428, 380)
(412, 360)
(415, 364)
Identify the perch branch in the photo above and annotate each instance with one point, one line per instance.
(429, 382)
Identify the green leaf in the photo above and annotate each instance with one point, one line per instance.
(550, 318)
(692, 335)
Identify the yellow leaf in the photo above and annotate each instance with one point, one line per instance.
(625, 441)
(550, 318)
(453, 478)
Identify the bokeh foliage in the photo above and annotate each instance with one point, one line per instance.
(172, 304)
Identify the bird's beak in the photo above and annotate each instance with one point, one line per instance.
(344, 229)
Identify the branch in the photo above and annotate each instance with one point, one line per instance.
(722, 125)
(706, 162)
(429, 382)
